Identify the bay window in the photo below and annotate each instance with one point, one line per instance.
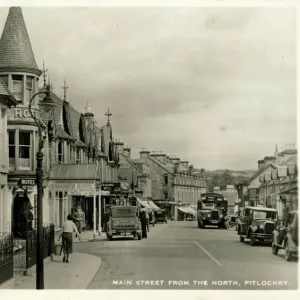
(12, 150)
(29, 88)
(17, 86)
(24, 150)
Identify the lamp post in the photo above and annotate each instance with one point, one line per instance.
(47, 103)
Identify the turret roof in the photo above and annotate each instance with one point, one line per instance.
(15, 49)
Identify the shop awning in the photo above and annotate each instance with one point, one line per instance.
(292, 191)
(187, 210)
(143, 203)
(152, 205)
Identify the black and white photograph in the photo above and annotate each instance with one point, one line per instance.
(148, 147)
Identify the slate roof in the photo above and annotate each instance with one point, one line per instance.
(168, 168)
(260, 171)
(106, 138)
(75, 117)
(15, 48)
(4, 91)
(71, 171)
(62, 134)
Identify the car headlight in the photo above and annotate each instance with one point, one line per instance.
(208, 215)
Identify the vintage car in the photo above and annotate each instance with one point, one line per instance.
(286, 237)
(257, 224)
(123, 220)
(160, 216)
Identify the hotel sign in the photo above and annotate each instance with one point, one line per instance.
(75, 189)
(22, 113)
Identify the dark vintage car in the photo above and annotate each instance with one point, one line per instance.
(212, 210)
(286, 237)
(123, 221)
(257, 224)
(160, 216)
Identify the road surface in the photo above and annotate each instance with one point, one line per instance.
(180, 255)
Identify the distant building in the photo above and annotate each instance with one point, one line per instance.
(175, 185)
(231, 195)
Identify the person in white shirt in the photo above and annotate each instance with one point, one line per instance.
(66, 234)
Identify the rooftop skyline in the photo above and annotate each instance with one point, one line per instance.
(214, 86)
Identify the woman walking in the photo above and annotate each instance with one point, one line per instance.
(67, 237)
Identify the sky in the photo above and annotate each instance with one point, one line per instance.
(213, 86)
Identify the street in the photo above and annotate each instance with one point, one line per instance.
(180, 255)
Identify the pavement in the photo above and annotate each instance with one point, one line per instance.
(179, 255)
(58, 275)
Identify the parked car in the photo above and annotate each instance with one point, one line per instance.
(286, 237)
(123, 220)
(257, 224)
(160, 216)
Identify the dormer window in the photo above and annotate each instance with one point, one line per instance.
(60, 152)
(17, 86)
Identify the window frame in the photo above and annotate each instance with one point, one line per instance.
(12, 166)
(30, 146)
(18, 95)
(60, 155)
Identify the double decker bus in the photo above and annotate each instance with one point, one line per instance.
(212, 210)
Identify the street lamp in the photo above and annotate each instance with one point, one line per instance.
(47, 103)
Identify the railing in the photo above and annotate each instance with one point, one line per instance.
(6, 257)
(25, 248)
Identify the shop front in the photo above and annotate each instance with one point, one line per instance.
(73, 186)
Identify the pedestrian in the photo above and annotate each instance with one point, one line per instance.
(66, 235)
(143, 223)
(147, 219)
(80, 218)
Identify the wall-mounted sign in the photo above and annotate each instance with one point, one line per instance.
(105, 193)
(30, 182)
(21, 113)
(80, 189)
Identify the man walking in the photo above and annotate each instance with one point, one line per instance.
(143, 220)
(147, 219)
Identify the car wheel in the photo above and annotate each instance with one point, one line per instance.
(288, 254)
(242, 239)
(252, 240)
(274, 249)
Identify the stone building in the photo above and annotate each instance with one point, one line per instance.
(135, 173)
(20, 73)
(174, 184)
(6, 101)
(77, 153)
(279, 187)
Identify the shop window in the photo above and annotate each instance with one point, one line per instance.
(12, 150)
(60, 152)
(17, 87)
(29, 88)
(24, 150)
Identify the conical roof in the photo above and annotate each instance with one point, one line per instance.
(15, 49)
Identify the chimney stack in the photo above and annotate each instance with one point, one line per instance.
(127, 151)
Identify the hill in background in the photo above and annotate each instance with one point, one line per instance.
(222, 178)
